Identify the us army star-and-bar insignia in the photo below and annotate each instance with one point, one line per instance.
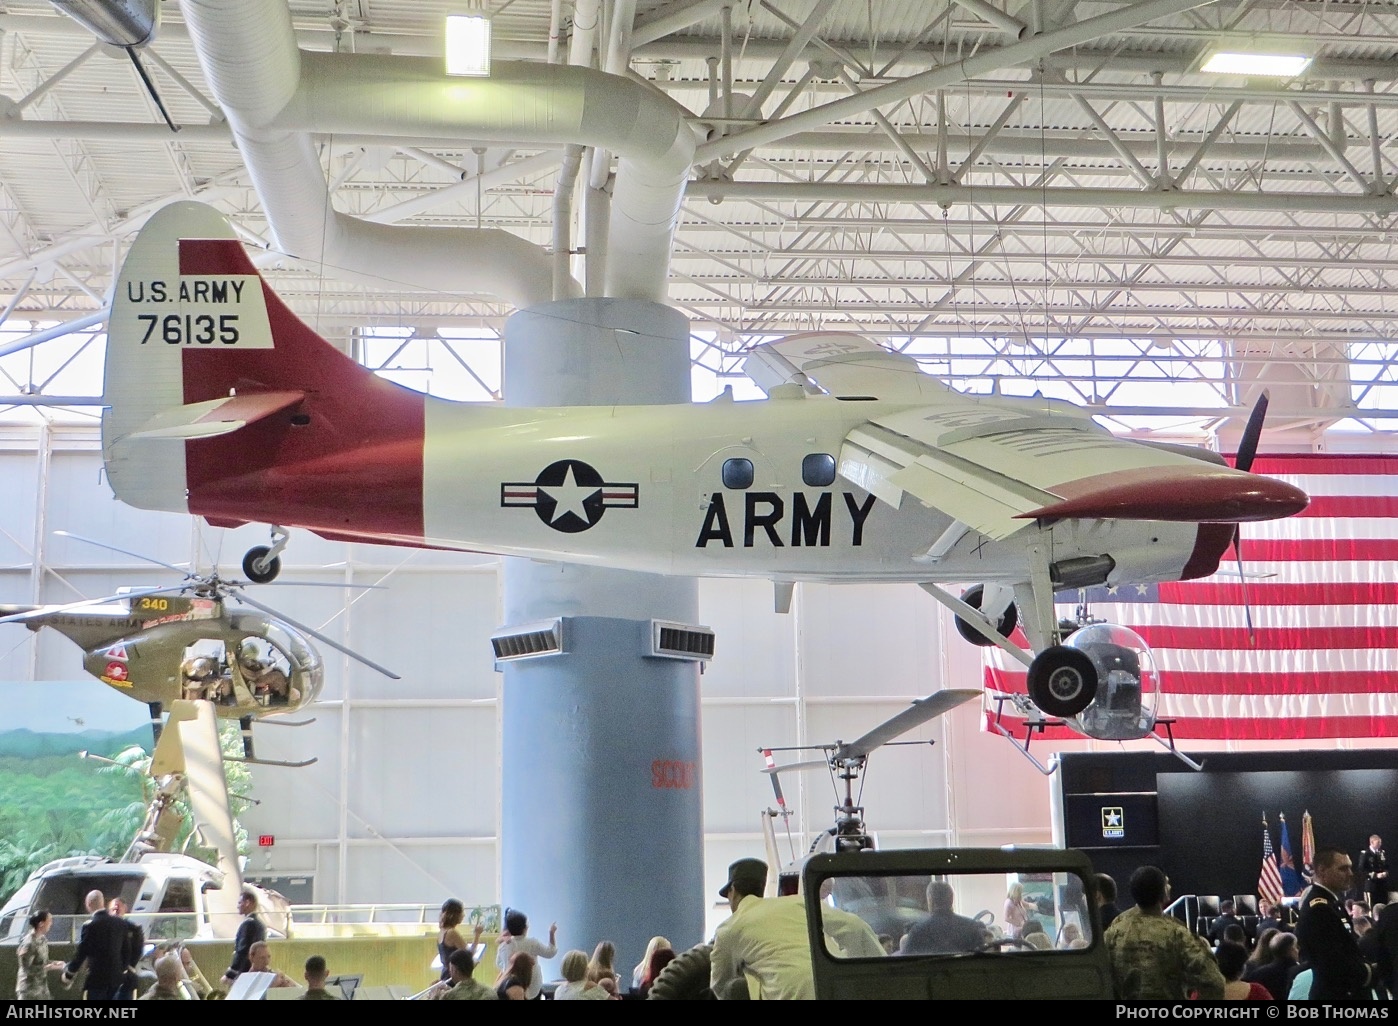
(569, 495)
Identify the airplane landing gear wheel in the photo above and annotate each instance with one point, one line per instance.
(258, 567)
(1009, 619)
(1062, 681)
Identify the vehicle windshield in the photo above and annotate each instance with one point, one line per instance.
(957, 915)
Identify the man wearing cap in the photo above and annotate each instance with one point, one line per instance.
(765, 937)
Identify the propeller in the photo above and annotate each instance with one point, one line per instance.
(1247, 452)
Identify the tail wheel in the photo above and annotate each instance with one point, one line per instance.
(258, 568)
(1009, 619)
(1062, 681)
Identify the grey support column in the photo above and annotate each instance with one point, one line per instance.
(601, 822)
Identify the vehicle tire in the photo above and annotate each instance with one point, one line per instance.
(1062, 681)
(686, 978)
(257, 555)
(1009, 619)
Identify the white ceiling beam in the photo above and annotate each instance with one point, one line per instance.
(949, 195)
(1016, 54)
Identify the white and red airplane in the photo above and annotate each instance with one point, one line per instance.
(221, 403)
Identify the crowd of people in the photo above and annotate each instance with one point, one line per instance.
(1340, 948)
(121, 966)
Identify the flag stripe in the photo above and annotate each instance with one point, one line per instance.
(1324, 463)
(1256, 550)
(1261, 593)
(1208, 682)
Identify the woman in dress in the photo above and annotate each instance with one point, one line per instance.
(34, 964)
(1015, 915)
(449, 938)
(513, 984)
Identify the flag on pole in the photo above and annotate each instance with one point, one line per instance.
(1291, 880)
(1326, 651)
(1307, 844)
(1269, 884)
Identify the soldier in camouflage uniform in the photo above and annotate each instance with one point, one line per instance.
(1155, 956)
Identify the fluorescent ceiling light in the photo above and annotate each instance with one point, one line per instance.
(1272, 65)
(468, 44)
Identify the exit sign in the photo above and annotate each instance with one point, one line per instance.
(266, 840)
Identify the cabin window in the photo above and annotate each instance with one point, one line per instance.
(175, 920)
(818, 470)
(737, 473)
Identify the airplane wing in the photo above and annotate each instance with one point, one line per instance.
(996, 463)
(846, 366)
(996, 467)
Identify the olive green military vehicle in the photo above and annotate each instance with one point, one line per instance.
(940, 915)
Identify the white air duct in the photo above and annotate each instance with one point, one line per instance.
(119, 22)
(275, 95)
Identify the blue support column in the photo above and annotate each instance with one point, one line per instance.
(601, 821)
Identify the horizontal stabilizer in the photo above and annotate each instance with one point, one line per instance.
(216, 416)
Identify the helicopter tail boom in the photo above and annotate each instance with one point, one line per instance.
(218, 397)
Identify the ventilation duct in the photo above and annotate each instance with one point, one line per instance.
(680, 641)
(118, 22)
(528, 641)
(275, 96)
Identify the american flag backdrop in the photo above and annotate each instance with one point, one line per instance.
(1324, 662)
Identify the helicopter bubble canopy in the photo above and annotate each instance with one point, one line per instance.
(245, 663)
(1128, 683)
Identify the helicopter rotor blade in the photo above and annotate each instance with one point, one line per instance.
(314, 584)
(243, 596)
(915, 715)
(41, 611)
(776, 780)
(808, 764)
(126, 552)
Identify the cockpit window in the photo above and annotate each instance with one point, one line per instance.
(887, 916)
(737, 473)
(818, 470)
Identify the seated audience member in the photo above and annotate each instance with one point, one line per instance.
(1035, 935)
(576, 985)
(460, 984)
(638, 973)
(316, 974)
(513, 982)
(942, 930)
(1232, 957)
(601, 968)
(1276, 974)
(193, 977)
(260, 955)
(1070, 937)
(658, 961)
(167, 981)
(1262, 953)
(1235, 934)
(1223, 921)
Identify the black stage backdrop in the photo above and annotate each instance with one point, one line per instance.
(1205, 829)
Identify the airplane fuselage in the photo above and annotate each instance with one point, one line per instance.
(720, 489)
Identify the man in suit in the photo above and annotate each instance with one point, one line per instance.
(250, 932)
(1223, 921)
(102, 948)
(1373, 868)
(1339, 972)
(135, 947)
